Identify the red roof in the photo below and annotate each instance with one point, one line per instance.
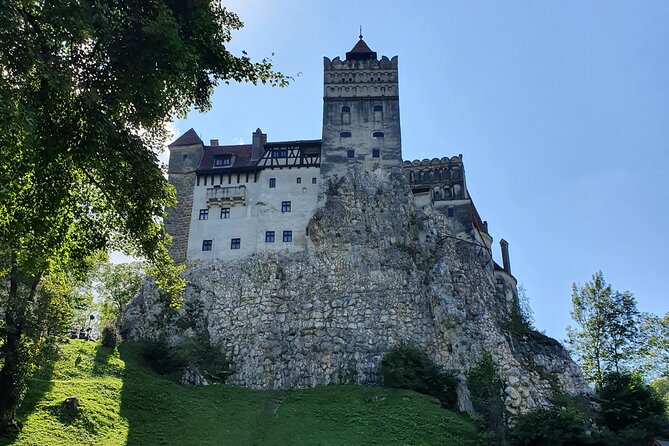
(187, 139)
(361, 51)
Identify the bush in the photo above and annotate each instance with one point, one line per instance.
(552, 427)
(631, 409)
(191, 351)
(407, 367)
(486, 389)
(109, 336)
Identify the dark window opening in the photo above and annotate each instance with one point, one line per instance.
(345, 135)
(285, 206)
(272, 182)
(206, 245)
(269, 237)
(313, 180)
(378, 108)
(204, 214)
(235, 243)
(221, 161)
(377, 135)
(280, 153)
(299, 180)
(287, 236)
(225, 212)
(346, 109)
(451, 212)
(350, 154)
(184, 156)
(376, 153)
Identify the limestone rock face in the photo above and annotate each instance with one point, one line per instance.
(376, 272)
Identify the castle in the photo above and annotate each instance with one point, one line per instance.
(307, 261)
(242, 199)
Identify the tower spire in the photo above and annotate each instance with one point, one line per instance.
(360, 32)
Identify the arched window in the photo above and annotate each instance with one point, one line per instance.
(377, 135)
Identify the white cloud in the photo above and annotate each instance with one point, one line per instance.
(238, 141)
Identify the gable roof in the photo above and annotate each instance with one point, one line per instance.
(241, 156)
(187, 139)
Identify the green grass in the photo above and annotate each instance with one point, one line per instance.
(124, 402)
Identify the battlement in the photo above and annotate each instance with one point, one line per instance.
(337, 64)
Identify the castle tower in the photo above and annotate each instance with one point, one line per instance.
(361, 114)
(185, 156)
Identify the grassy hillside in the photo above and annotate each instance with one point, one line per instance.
(123, 402)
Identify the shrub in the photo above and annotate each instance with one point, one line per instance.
(407, 367)
(552, 427)
(109, 335)
(486, 391)
(191, 351)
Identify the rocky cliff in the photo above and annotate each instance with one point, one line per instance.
(377, 271)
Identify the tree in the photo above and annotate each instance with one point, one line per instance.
(655, 345)
(607, 328)
(86, 89)
(115, 285)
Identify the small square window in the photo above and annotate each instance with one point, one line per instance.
(313, 180)
(299, 180)
(287, 236)
(235, 243)
(376, 153)
(350, 154)
(272, 182)
(377, 135)
(285, 206)
(378, 108)
(346, 109)
(269, 237)
(206, 245)
(204, 214)
(225, 212)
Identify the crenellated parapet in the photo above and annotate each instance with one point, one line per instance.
(360, 77)
(444, 177)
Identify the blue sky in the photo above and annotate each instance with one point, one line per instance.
(560, 109)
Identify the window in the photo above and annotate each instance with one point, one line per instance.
(346, 109)
(204, 214)
(299, 180)
(225, 212)
(313, 180)
(235, 243)
(285, 206)
(451, 212)
(376, 153)
(280, 153)
(222, 160)
(378, 108)
(350, 154)
(272, 182)
(287, 236)
(206, 245)
(377, 135)
(269, 237)
(345, 135)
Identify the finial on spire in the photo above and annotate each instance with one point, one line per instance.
(360, 32)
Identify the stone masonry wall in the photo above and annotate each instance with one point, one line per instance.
(376, 272)
(178, 218)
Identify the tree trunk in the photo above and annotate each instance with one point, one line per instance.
(10, 391)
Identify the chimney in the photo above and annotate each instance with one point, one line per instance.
(259, 140)
(505, 256)
(213, 142)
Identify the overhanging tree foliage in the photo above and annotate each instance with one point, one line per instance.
(86, 87)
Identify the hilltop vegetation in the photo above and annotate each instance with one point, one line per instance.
(123, 402)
